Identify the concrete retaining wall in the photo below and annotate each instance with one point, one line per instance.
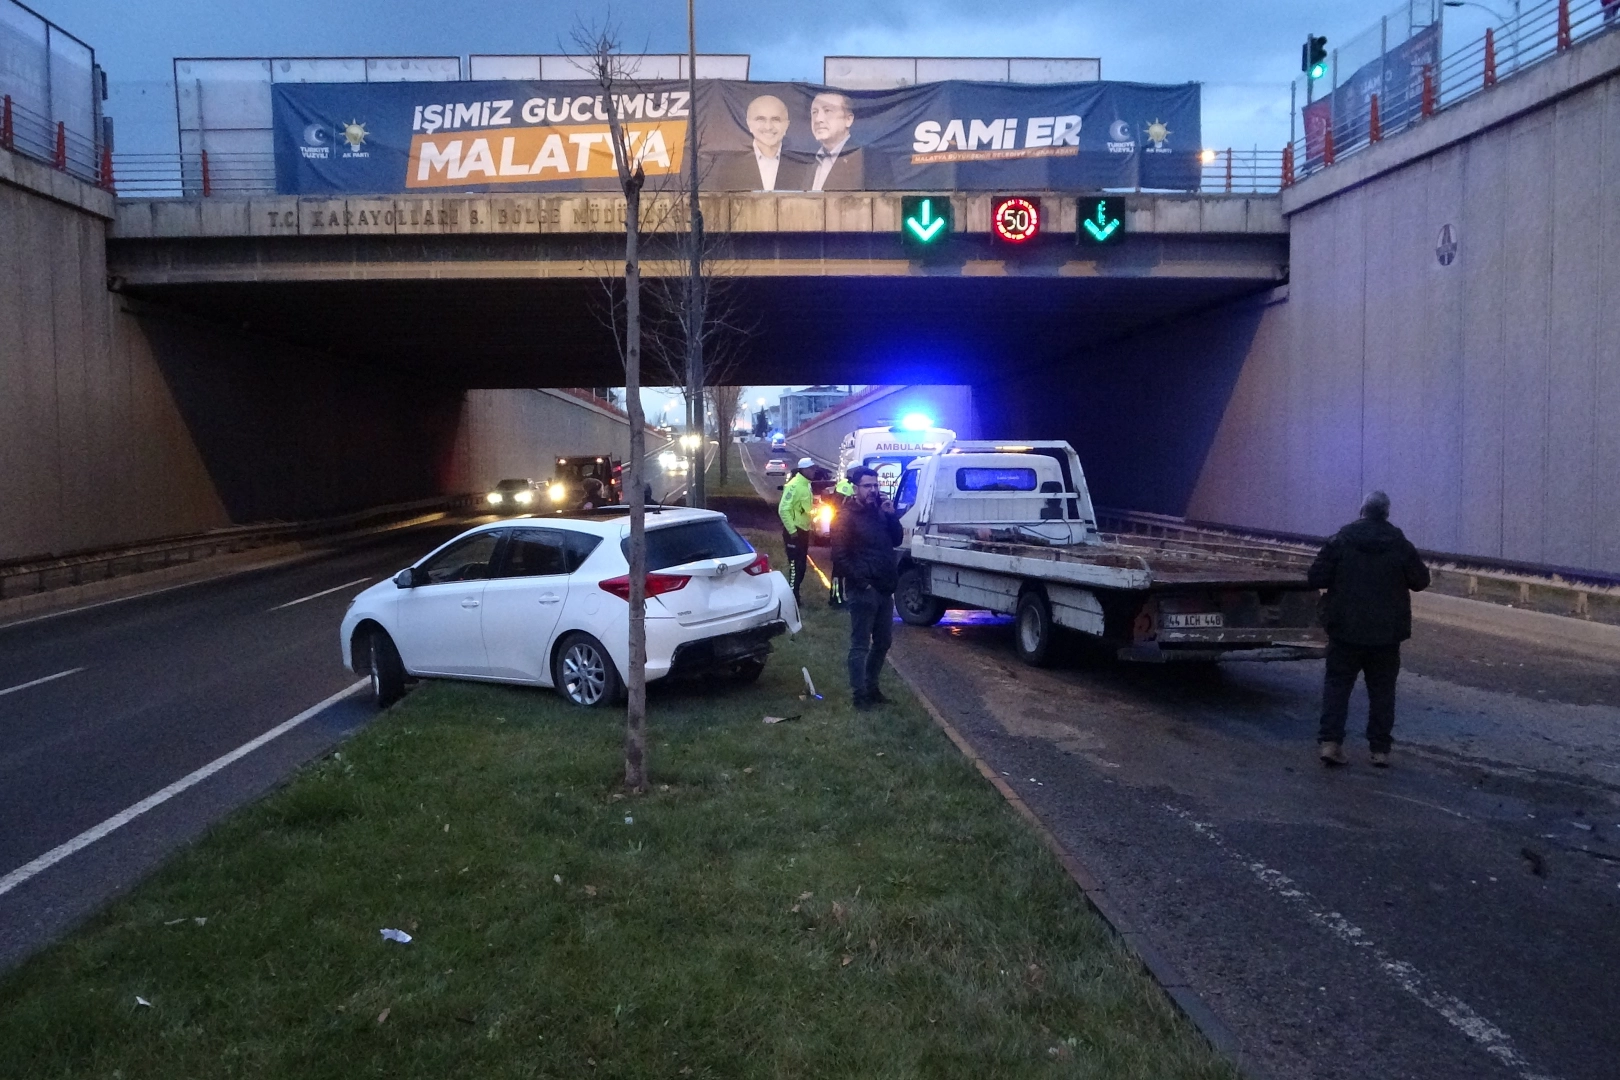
(1481, 393)
(121, 422)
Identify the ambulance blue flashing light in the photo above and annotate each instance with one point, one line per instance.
(916, 422)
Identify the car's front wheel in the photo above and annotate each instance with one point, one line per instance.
(584, 674)
(387, 670)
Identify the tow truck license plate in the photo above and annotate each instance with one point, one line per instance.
(1190, 622)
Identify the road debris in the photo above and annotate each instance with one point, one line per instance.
(781, 719)
(142, 1002)
(390, 934)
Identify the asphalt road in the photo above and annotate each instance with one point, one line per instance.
(160, 686)
(1451, 917)
(104, 708)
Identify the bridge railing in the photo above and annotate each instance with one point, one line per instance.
(34, 135)
(1538, 32)
(189, 176)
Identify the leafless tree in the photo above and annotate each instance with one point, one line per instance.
(715, 320)
(726, 401)
(599, 53)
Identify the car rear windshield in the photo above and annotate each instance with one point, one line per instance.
(509, 485)
(691, 541)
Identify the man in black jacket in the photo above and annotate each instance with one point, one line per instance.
(1369, 569)
(865, 534)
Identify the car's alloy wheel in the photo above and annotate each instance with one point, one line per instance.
(583, 672)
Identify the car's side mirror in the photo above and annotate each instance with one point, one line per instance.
(406, 578)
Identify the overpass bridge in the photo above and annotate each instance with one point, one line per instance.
(503, 291)
(1428, 315)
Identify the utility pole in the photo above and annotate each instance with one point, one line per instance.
(694, 285)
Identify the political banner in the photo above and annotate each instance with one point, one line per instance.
(393, 138)
(1396, 77)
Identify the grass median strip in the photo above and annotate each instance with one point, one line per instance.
(839, 894)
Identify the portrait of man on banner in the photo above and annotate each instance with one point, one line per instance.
(765, 165)
(838, 164)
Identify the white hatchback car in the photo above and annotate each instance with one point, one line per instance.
(542, 602)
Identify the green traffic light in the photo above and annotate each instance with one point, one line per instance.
(1318, 70)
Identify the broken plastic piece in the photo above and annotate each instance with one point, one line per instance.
(810, 684)
(400, 936)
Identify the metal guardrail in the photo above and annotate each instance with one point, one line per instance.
(34, 135)
(1536, 34)
(181, 176)
(1578, 594)
(23, 577)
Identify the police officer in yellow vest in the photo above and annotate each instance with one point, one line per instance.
(795, 510)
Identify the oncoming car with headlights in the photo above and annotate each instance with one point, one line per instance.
(515, 496)
(545, 603)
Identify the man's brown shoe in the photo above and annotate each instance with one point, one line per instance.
(1380, 758)
(1332, 753)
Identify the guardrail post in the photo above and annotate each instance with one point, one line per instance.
(1375, 129)
(1229, 170)
(7, 135)
(60, 160)
(1564, 40)
(208, 187)
(1288, 165)
(1428, 90)
(1327, 145)
(1490, 56)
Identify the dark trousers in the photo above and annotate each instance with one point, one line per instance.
(798, 556)
(871, 629)
(1380, 664)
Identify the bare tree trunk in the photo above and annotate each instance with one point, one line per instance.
(635, 720)
(725, 419)
(609, 68)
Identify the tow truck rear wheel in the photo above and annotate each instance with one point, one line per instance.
(1033, 629)
(916, 607)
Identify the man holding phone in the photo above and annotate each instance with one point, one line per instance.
(865, 536)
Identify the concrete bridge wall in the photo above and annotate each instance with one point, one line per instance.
(1481, 393)
(121, 421)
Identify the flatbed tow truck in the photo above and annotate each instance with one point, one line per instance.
(1010, 528)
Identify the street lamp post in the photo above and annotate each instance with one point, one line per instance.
(694, 285)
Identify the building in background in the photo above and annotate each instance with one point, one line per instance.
(800, 405)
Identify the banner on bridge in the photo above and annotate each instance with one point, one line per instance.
(395, 138)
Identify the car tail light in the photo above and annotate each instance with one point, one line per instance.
(760, 565)
(657, 584)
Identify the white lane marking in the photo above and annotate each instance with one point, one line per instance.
(1420, 802)
(1458, 1013)
(36, 682)
(318, 595)
(124, 817)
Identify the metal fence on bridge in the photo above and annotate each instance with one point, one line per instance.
(50, 95)
(1390, 77)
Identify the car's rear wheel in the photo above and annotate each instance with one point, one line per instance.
(916, 607)
(387, 670)
(584, 674)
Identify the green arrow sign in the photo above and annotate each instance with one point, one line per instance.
(925, 220)
(1103, 219)
(925, 225)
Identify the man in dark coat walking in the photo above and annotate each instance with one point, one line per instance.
(1370, 570)
(865, 535)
